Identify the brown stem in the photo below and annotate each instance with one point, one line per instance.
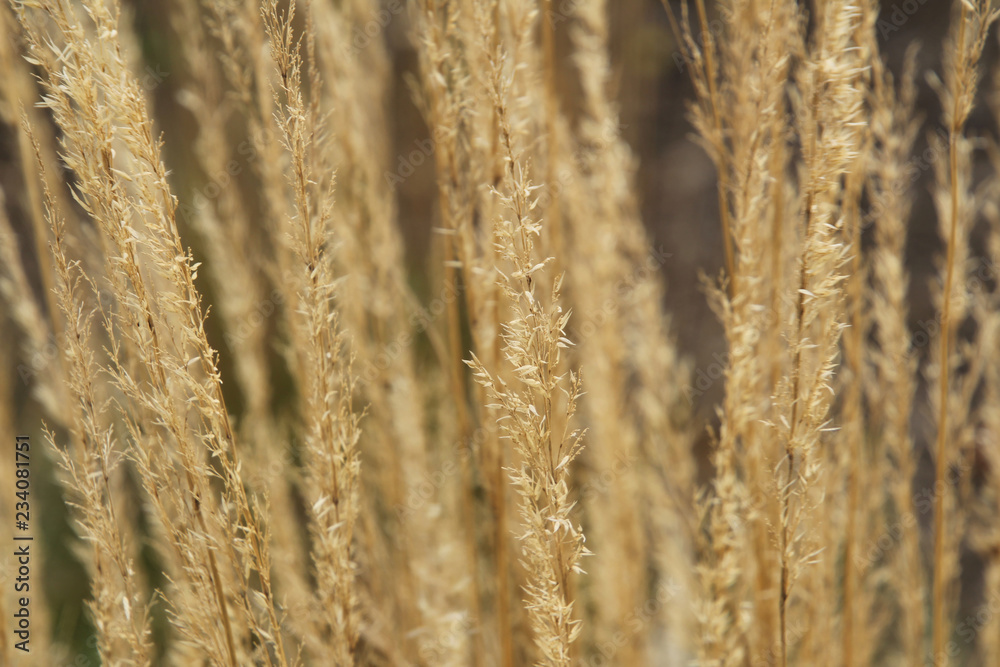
(853, 346)
(708, 47)
(941, 458)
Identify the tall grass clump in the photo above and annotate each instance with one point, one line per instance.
(275, 423)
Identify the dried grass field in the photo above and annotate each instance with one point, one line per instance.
(337, 332)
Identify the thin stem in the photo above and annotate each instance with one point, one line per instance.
(941, 458)
(853, 347)
(723, 164)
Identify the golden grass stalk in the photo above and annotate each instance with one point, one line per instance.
(531, 404)
(15, 91)
(828, 121)
(380, 312)
(332, 431)
(100, 106)
(700, 51)
(986, 539)
(894, 129)
(754, 62)
(27, 314)
(552, 544)
(852, 467)
(974, 18)
(119, 611)
(985, 309)
(608, 262)
(223, 220)
(455, 42)
(639, 524)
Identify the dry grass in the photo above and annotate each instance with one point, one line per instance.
(326, 468)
